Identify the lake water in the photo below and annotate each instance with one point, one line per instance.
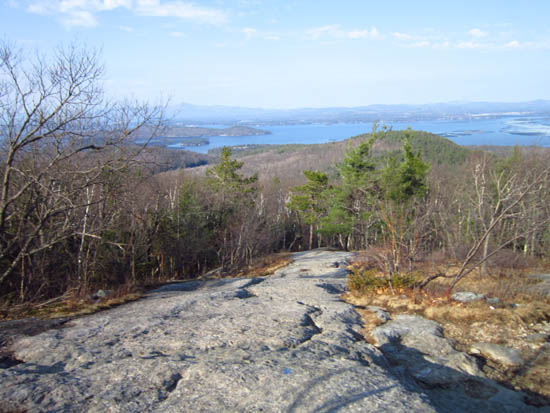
(505, 130)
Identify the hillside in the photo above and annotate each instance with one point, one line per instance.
(286, 162)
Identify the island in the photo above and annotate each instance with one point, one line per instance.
(174, 131)
(185, 136)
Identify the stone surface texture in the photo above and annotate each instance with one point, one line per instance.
(506, 356)
(417, 347)
(382, 314)
(285, 343)
(467, 296)
(543, 287)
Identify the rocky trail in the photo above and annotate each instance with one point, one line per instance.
(286, 343)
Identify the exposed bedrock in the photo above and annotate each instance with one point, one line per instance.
(286, 343)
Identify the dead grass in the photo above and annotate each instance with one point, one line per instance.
(520, 319)
(85, 307)
(74, 305)
(266, 265)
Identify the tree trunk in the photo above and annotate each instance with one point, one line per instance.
(485, 253)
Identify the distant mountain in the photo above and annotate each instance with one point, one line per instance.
(190, 114)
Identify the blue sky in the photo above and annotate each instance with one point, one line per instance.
(287, 54)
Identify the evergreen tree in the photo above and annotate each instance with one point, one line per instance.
(184, 238)
(234, 201)
(226, 181)
(309, 200)
(403, 186)
(407, 180)
(352, 203)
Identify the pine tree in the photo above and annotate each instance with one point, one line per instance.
(309, 200)
(234, 202)
(352, 203)
(403, 185)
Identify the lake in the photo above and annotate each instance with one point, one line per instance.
(481, 130)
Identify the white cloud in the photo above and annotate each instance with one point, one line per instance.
(492, 45)
(83, 12)
(364, 34)
(477, 33)
(180, 9)
(512, 44)
(435, 40)
(401, 36)
(71, 12)
(251, 32)
(422, 43)
(80, 18)
(177, 34)
(442, 45)
(336, 32)
(38, 8)
(112, 4)
(542, 44)
(477, 40)
(470, 45)
(328, 30)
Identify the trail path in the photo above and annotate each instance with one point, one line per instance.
(285, 343)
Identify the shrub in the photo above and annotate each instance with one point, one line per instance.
(363, 280)
(402, 280)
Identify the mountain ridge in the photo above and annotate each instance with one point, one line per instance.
(188, 112)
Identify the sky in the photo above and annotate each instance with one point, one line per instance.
(308, 53)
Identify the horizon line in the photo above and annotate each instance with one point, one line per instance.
(450, 102)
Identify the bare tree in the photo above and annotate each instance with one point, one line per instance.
(493, 211)
(61, 143)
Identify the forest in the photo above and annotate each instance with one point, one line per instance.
(83, 206)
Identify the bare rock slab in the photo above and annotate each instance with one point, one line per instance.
(286, 343)
(454, 380)
(418, 344)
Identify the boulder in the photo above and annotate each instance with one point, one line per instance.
(542, 277)
(383, 315)
(101, 294)
(538, 338)
(542, 288)
(506, 356)
(416, 347)
(467, 297)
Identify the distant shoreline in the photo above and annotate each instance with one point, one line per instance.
(181, 136)
(523, 130)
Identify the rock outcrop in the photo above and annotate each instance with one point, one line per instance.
(416, 347)
(286, 343)
(506, 356)
(283, 343)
